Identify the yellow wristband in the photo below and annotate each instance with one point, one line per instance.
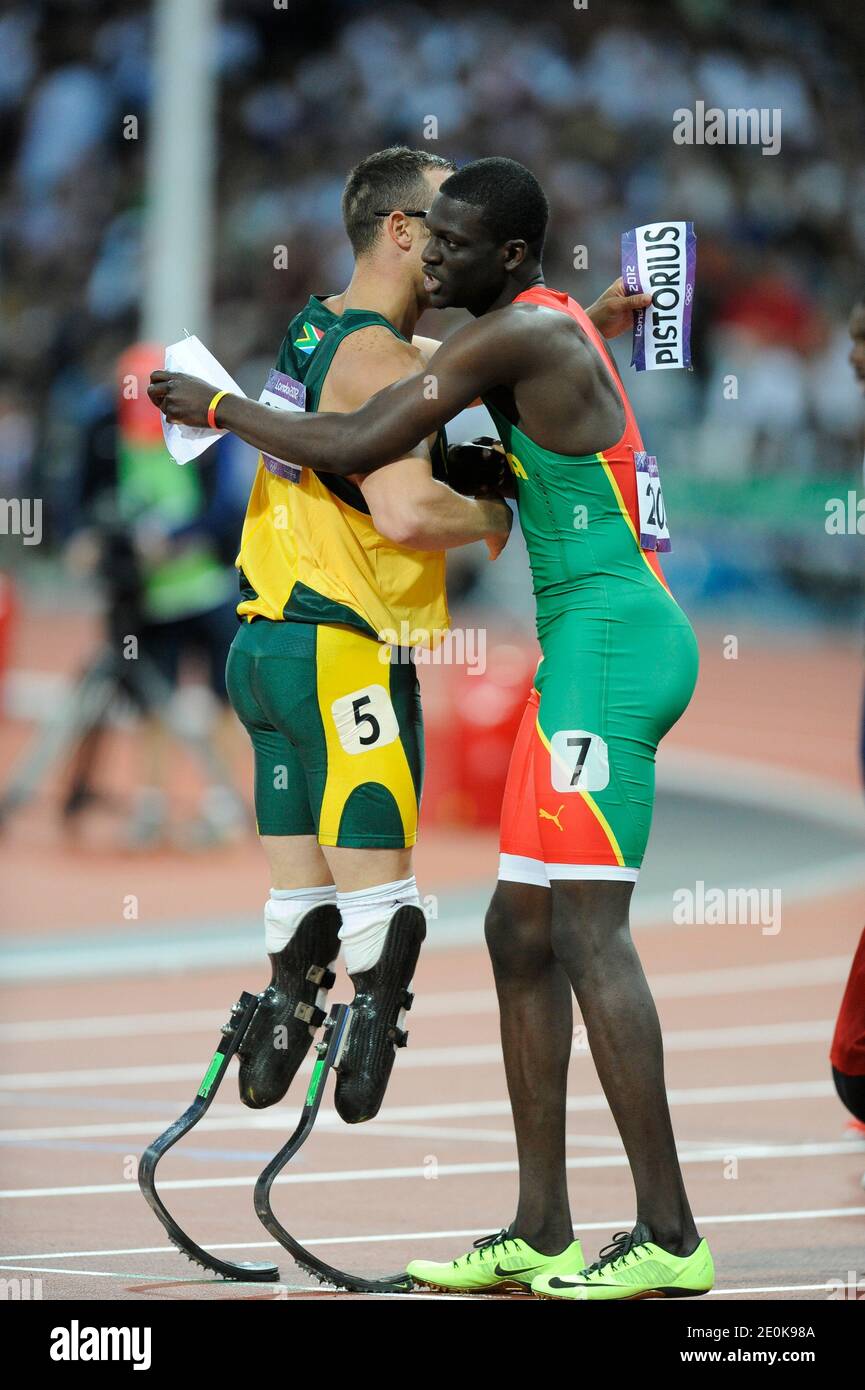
(211, 409)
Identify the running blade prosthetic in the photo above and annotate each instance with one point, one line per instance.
(231, 1035)
(330, 1051)
(290, 1009)
(381, 998)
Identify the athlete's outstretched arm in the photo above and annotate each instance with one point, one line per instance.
(481, 355)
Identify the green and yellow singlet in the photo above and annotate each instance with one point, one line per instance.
(309, 552)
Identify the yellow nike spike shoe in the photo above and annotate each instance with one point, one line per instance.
(496, 1264)
(632, 1267)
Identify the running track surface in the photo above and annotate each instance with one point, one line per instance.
(95, 1067)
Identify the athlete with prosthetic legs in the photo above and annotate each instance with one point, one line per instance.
(618, 669)
(326, 565)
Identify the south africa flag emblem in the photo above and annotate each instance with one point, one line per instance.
(309, 338)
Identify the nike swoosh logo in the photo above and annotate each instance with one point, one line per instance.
(512, 1273)
(556, 1283)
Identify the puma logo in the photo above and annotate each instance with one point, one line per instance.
(547, 815)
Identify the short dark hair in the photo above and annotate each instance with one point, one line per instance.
(391, 178)
(512, 204)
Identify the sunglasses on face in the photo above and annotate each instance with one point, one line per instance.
(406, 212)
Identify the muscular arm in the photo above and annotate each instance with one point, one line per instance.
(389, 425)
(483, 355)
(407, 504)
(411, 507)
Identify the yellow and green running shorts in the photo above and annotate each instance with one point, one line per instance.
(336, 727)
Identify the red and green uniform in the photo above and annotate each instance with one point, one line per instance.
(619, 660)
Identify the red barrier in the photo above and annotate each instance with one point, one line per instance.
(471, 723)
(139, 421)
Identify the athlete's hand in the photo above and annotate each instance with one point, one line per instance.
(182, 399)
(506, 488)
(479, 468)
(503, 520)
(613, 313)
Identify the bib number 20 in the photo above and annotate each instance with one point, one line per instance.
(654, 534)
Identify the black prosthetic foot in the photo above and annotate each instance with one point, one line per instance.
(289, 1012)
(380, 996)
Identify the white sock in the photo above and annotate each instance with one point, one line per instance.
(366, 916)
(284, 909)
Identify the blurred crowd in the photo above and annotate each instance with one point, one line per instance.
(585, 97)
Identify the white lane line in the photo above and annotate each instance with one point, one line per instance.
(688, 984)
(719, 1154)
(677, 1096)
(394, 1237)
(57, 1133)
(275, 1288)
(224, 1119)
(751, 979)
(113, 1026)
(506, 1136)
(497, 1136)
(209, 1020)
(141, 1278)
(746, 782)
(479, 1054)
(324, 1291)
(774, 1288)
(100, 1076)
(174, 1279)
(747, 1035)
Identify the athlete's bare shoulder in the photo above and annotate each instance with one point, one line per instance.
(540, 321)
(365, 362)
(376, 342)
(533, 335)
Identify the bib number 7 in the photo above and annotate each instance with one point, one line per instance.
(654, 534)
(579, 761)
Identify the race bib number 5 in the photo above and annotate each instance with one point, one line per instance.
(365, 719)
(654, 534)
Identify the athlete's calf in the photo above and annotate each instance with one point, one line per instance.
(535, 1006)
(592, 940)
